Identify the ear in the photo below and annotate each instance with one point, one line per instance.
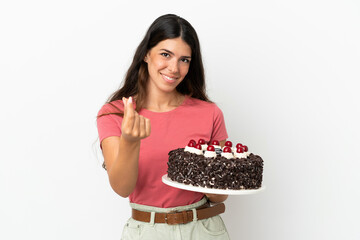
(146, 58)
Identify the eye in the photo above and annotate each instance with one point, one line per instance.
(165, 55)
(185, 60)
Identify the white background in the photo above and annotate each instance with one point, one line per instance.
(285, 74)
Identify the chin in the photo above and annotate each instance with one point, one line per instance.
(168, 90)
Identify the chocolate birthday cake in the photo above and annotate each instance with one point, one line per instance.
(211, 166)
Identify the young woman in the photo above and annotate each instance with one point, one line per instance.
(161, 106)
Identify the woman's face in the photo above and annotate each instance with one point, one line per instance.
(168, 63)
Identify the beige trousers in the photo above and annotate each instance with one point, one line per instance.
(207, 229)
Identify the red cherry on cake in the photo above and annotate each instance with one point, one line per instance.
(239, 145)
(228, 143)
(245, 148)
(191, 144)
(198, 146)
(215, 142)
(201, 141)
(240, 150)
(211, 148)
(227, 150)
(193, 141)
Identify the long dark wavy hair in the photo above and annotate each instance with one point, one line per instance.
(168, 26)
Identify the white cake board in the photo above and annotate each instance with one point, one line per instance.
(171, 183)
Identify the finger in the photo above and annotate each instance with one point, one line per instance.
(124, 102)
(147, 127)
(135, 130)
(142, 130)
(130, 104)
(129, 117)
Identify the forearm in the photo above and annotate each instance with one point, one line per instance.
(124, 170)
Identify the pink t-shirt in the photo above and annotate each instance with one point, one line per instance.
(194, 119)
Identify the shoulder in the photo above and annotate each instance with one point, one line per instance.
(197, 102)
(201, 105)
(116, 106)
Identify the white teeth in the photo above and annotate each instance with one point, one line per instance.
(172, 79)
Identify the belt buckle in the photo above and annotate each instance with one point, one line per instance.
(168, 218)
(173, 218)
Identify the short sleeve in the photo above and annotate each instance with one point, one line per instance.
(219, 130)
(108, 125)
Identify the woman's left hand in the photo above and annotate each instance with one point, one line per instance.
(216, 198)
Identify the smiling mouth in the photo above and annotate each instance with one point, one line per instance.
(169, 79)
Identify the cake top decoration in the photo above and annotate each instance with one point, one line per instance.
(211, 148)
(214, 149)
(245, 148)
(227, 150)
(193, 147)
(228, 144)
(198, 146)
(191, 144)
(240, 150)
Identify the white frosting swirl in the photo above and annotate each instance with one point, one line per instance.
(240, 155)
(204, 147)
(217, 146)
(210, 154)
(227, 155)
(193, 150)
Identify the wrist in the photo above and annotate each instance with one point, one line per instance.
(129, 143)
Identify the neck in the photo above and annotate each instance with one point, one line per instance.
(162, 102)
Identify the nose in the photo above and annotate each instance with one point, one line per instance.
(173, 66)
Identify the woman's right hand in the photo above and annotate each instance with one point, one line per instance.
(134, 127)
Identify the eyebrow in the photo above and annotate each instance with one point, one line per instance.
(170, 52)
